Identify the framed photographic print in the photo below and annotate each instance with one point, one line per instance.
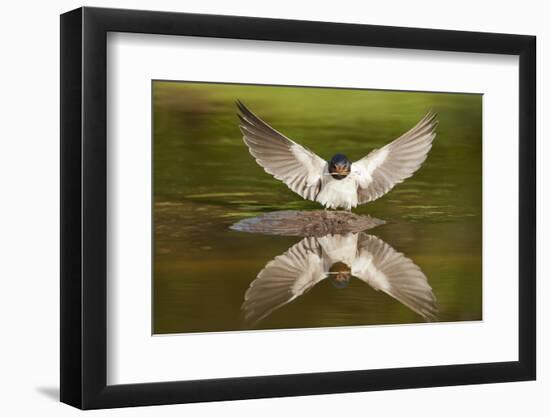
(257, 208)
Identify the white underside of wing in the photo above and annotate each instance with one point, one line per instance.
(363, 173)
(283, 279)
(364, 267)
(387, 270)
(310, 166)
(299, 168)
(310, 275)
(383, 168)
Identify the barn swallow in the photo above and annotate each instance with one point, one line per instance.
(338, 258)
(337, 183)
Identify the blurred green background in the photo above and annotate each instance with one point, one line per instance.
(205, 180)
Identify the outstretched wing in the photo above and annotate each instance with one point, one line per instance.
(387, 270)
(383, 168)
(283, 279)
(299, 168)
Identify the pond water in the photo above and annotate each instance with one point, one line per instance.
(205, 181)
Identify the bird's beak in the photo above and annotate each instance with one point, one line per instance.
(342, 276)
(341, 169)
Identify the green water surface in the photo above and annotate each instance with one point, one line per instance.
(205, 180)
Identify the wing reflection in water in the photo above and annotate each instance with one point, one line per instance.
(338, 258)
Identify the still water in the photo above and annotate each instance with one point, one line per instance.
(205, 181)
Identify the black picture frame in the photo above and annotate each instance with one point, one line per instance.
(84, 207)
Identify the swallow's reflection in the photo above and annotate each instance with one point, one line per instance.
(338, 258)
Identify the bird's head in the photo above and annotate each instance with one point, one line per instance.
(340, 274)
(339, 166)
